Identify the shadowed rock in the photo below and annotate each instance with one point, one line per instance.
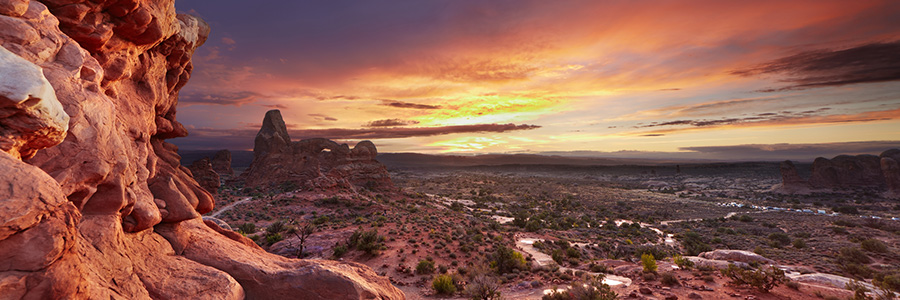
(221, 163)
(891, 172)
(202, 171)
(318, 163)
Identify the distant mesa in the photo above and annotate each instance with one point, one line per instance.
(312, 163)
(846, 172)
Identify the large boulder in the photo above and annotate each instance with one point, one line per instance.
(314, 163)
(736, 256)
(791, 182)
(80, 220)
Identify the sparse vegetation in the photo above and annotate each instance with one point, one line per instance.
(649, 263)
(763, 278)
(443, 285)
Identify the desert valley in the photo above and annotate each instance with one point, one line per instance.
(380, 151)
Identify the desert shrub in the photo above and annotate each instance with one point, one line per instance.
(839, 230)
(339, 251)
(856, 270)
(533, 225)
(859, 290)
(648, 276)
(778, 240)
(658, 252)
(799, 243)
(272, 238)
(693, 243)
(483, 287)
(599, 268)
(276, 227)
(573, 253)
(425, 267)
(649, 263)
(889, 281)
(745, 218)
(763, 279)
(247, 228)
(854, 255)
(874, 245)
(366, 240)
(557, 256)
(683, 263)
(443, 284)
(591, 289)
(507, 260)
(565, 277)
(793, 285)
(668, 278)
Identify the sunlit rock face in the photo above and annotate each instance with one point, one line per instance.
(89, 109)
(315, 163)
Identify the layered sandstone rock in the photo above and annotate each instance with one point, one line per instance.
(316, 163)
(221, 163)
(845, 171)
(736, 255)
(791, 182)
(79, 220)
(891, 171)
(202, 171)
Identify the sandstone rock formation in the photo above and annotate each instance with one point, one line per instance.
(202, 171)
(791, 182)
(891, 171)
(318, 163)
(845, 172)
(109, 212)
(221, 163)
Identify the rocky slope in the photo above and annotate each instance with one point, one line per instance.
(314, 163)
(108, 212)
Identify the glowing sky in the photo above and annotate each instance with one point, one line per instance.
(539, 76)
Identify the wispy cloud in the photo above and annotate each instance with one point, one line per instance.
(221, 98)
(391, 123)
(874, 62)
(401, 104)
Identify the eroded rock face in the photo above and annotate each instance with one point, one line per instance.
(846, 171)
(891, 171)
(80, 219)
(221, 163)
(736, 255)
(790, 178)
(318, 163)
(202, 171)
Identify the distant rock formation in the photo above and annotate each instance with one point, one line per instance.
(891, 171)
(318, 163)
(846, 172)
(202, 171)
(790, 179)
(221, 163)
(100, 207)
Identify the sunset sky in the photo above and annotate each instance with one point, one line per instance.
(700, 78)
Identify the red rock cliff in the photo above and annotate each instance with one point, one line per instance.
(106, 210)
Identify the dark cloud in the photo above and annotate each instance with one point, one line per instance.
(876, 62)
(762, 117)
(242, 138)
(400, 104)
(274, 106)
(223, 98)
(654, 134)
(391, 123)
(322, 117)
(804, 152)
(394, 132)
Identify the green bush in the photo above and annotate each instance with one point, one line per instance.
(507, 260)
(694, 243)
(340, 250)
(272, 238)
(649, 263)
(669, 279)
(874, 245)
(425, 267)
(778, 240)
(683, 263)
(483, 287)
(366, 241)
(247, 228)
(763, 279)
(854, 255)
(276, 227)
(799, 243)
(443, 284)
